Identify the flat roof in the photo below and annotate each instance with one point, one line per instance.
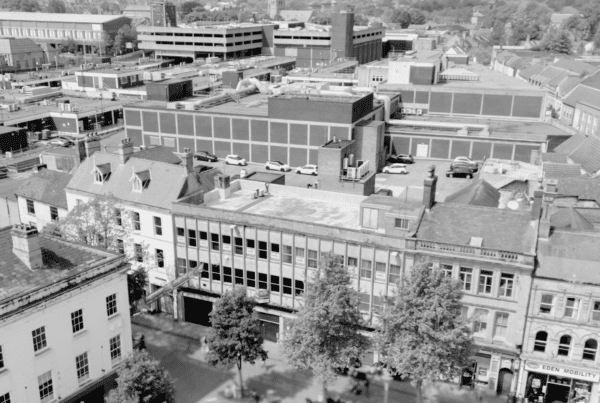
(291, 203)
(56, 17)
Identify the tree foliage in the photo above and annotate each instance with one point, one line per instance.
(558, 41)
(326, 332)
(228, 14)
(402, 17)
(189, 6)
(421, 333)
(141, 379)
(136, 285)
(124, 35)
(30, 6)
(56, 6)
(483, 54)
(417, 17)
(235, 336)
(361, 20)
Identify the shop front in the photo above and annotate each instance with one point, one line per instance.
(554, 383)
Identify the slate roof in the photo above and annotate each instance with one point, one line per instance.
(531, 71)
(60, 259)
(296, 15)
(18, 45)
(567, 85)
(57, 17)
(168, 182)
(583, 94)
(500, 229)
(560, 158)
(478, 193)
(561, 170)
(583, 188)
(570, 218)
(588, 155)
(547, 74)
(592, 81)
(570, 256)
(570, 145)
(160, 154)
(576, 66)
(47, 187)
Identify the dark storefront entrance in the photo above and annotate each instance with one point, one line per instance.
(270, 326)
(556, 389)
(197, 310)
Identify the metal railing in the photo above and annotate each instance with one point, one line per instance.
(473, 250)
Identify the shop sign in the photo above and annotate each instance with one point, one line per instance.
(563, 371)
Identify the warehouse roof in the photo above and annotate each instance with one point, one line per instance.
(57, 17)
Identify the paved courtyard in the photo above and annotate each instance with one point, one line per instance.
(177, 346)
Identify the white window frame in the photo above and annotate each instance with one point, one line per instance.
(370, 218)
(574, 309)
(546, 305)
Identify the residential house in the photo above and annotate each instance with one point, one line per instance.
(584, 151)
(64, 318)
(42, 199)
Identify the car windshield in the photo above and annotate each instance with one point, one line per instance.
(277, 162)
(235, 157)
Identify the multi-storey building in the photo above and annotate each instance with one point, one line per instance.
(42, 199)
(491, 251)
(53, 29)
(560, 350)
(143, 183)
(64, 318)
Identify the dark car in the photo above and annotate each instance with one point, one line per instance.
(385, 192)
(401, 158)
(466, 162)
(460, 171)
(205, 156)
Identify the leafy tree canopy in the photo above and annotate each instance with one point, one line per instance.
(189, 6)
(56, 6)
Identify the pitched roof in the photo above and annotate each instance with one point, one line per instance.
(569, 218)
(570, 256)
(567, 85)
(531, 71)
(159, 154)
(547, 74)
(592, 81)
(570, 145)
(56, 17)
(16, 46)
(588, 155)
(560, 158)
(47, 187)
(456, 224)
(576, 66)
(478, 193)
(583, 94)
(582, 188)
(561, 170)
(60, 259)
(296, 15)
(169, 182)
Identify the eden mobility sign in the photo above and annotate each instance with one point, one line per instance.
(563, 371)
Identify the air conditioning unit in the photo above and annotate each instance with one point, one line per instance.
(351, 173)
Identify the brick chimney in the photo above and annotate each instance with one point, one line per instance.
(187, 160)
(26, 245)
(125, 149)
(222, 183)
(536, 208)
(545, 227)
(429, 188)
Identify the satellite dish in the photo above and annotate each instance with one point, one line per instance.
(513, 205)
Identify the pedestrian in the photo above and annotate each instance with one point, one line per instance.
(142, 344)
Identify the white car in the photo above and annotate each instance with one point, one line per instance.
(395, 169)
(233, 159)
(60, 142)
(308, 170)
(465, 161)
(277, 166)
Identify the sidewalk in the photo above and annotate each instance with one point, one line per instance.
(178, 346)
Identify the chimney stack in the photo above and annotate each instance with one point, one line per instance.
(26, 245)
(125, 149)
(536, 208)
(429, 188)
(223, 183)
(545, 227)
(92, 144)
(187, 160)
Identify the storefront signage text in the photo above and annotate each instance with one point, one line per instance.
(562, 371)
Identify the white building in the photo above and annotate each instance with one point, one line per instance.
(64, 318)
(144, 183)
(41, 198)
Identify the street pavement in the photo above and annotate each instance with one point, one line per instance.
(177, 345)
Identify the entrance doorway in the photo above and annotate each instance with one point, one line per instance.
(197, 311)
(270, 326)
(557, 393)
(504, 382)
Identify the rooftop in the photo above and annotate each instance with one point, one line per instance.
(55, 17)
(296, 204)
(477, 193)
(47, 187)
(159, 154)
(61, 261)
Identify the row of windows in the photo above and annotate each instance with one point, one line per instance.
(31, 209)
(137, 224)
(51, 33)
(209, 44)
(480, 320)
(201, 35)
(484, 284)
(565, 344)
(275, 251)
(572, 308)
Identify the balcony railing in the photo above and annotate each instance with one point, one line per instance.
(475, 251)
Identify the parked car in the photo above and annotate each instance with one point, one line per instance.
(385, 192)
(401, 158)
(205, 156)
(308, 170)
(277, 166)
(395, 169)
(464, 161)
(233, 159)
(60, 141)
(457, 171)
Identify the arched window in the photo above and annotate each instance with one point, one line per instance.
(589, 349)
(564, 345)
(541, 338)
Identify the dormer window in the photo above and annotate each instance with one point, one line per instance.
(141, 180)
(401, 223)
(101, 173)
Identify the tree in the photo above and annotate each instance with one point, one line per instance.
(557, 41)
(136, 285)
(326, 333)
(189, 6)
(142, 379)
(483, 54)
(597, 40)
(124, 35)
(421, 332)
(235, 336)
(497, 37)
(56, 6)
(417, 17)
(360, 20)
(402, 17)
